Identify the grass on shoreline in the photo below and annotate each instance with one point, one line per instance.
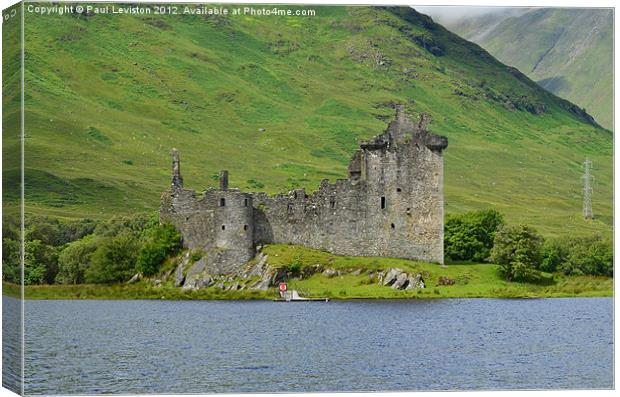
(471, 281)
(128, 292)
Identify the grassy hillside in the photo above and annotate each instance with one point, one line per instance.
(108, 96)
(567, 51)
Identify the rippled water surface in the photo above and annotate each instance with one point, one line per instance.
(91, 347)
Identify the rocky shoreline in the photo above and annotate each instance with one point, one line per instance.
(260, 275)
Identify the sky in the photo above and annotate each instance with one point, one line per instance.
(445, 13)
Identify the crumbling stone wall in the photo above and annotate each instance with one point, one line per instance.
(391, 205)
(221, 224)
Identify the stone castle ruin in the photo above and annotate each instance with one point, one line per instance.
(391, 205)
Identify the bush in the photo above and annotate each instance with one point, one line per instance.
(517, 249)
(150, 258)
(11, 267)
(53, 231)
(72, 252)
(294, 268)
(134, 225)
(40, 263)
(114, 260)
(196, 256)
(75, 259)
(44, 238)
(589, 255)
(554, 253)
(470, 236)
(162, 241)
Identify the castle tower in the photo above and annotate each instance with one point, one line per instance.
(233, 225)
(403, 189)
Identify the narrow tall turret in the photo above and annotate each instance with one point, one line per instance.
(177, 179)
(223, 180)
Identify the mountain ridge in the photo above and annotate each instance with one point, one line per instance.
(282, 104)
(567, 51)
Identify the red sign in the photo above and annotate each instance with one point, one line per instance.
(282, 287)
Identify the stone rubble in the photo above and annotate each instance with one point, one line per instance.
(398, 279)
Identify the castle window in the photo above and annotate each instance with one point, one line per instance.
(393, 226)
(223, 227)
(382, 203)
(222, 202)
(245, 227)
(332, 203)
(289, 208)
(399, 189)
(245, 202)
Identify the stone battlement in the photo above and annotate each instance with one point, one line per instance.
(391, 205)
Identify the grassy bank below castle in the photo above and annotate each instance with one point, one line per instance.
(129, 292)
(470, 281)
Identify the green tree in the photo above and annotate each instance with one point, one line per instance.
(40, 263)
(589, 255)
(554, 254)
(161, 242)
(132, 224)
(53, 231)
(75, 259)
(470, 236)
(11, 269)
(114, 260)
(517, 249)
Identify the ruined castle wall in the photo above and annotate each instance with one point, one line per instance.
(328, 219)
(196, 223)
(394, 210)
(391, 206)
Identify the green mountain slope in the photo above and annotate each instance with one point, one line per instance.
(108, 96)
(567, 51)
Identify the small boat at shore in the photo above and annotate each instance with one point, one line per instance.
(293, 296)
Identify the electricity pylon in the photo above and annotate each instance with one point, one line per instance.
(587, 189)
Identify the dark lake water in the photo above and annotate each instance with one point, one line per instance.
(91, 347)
